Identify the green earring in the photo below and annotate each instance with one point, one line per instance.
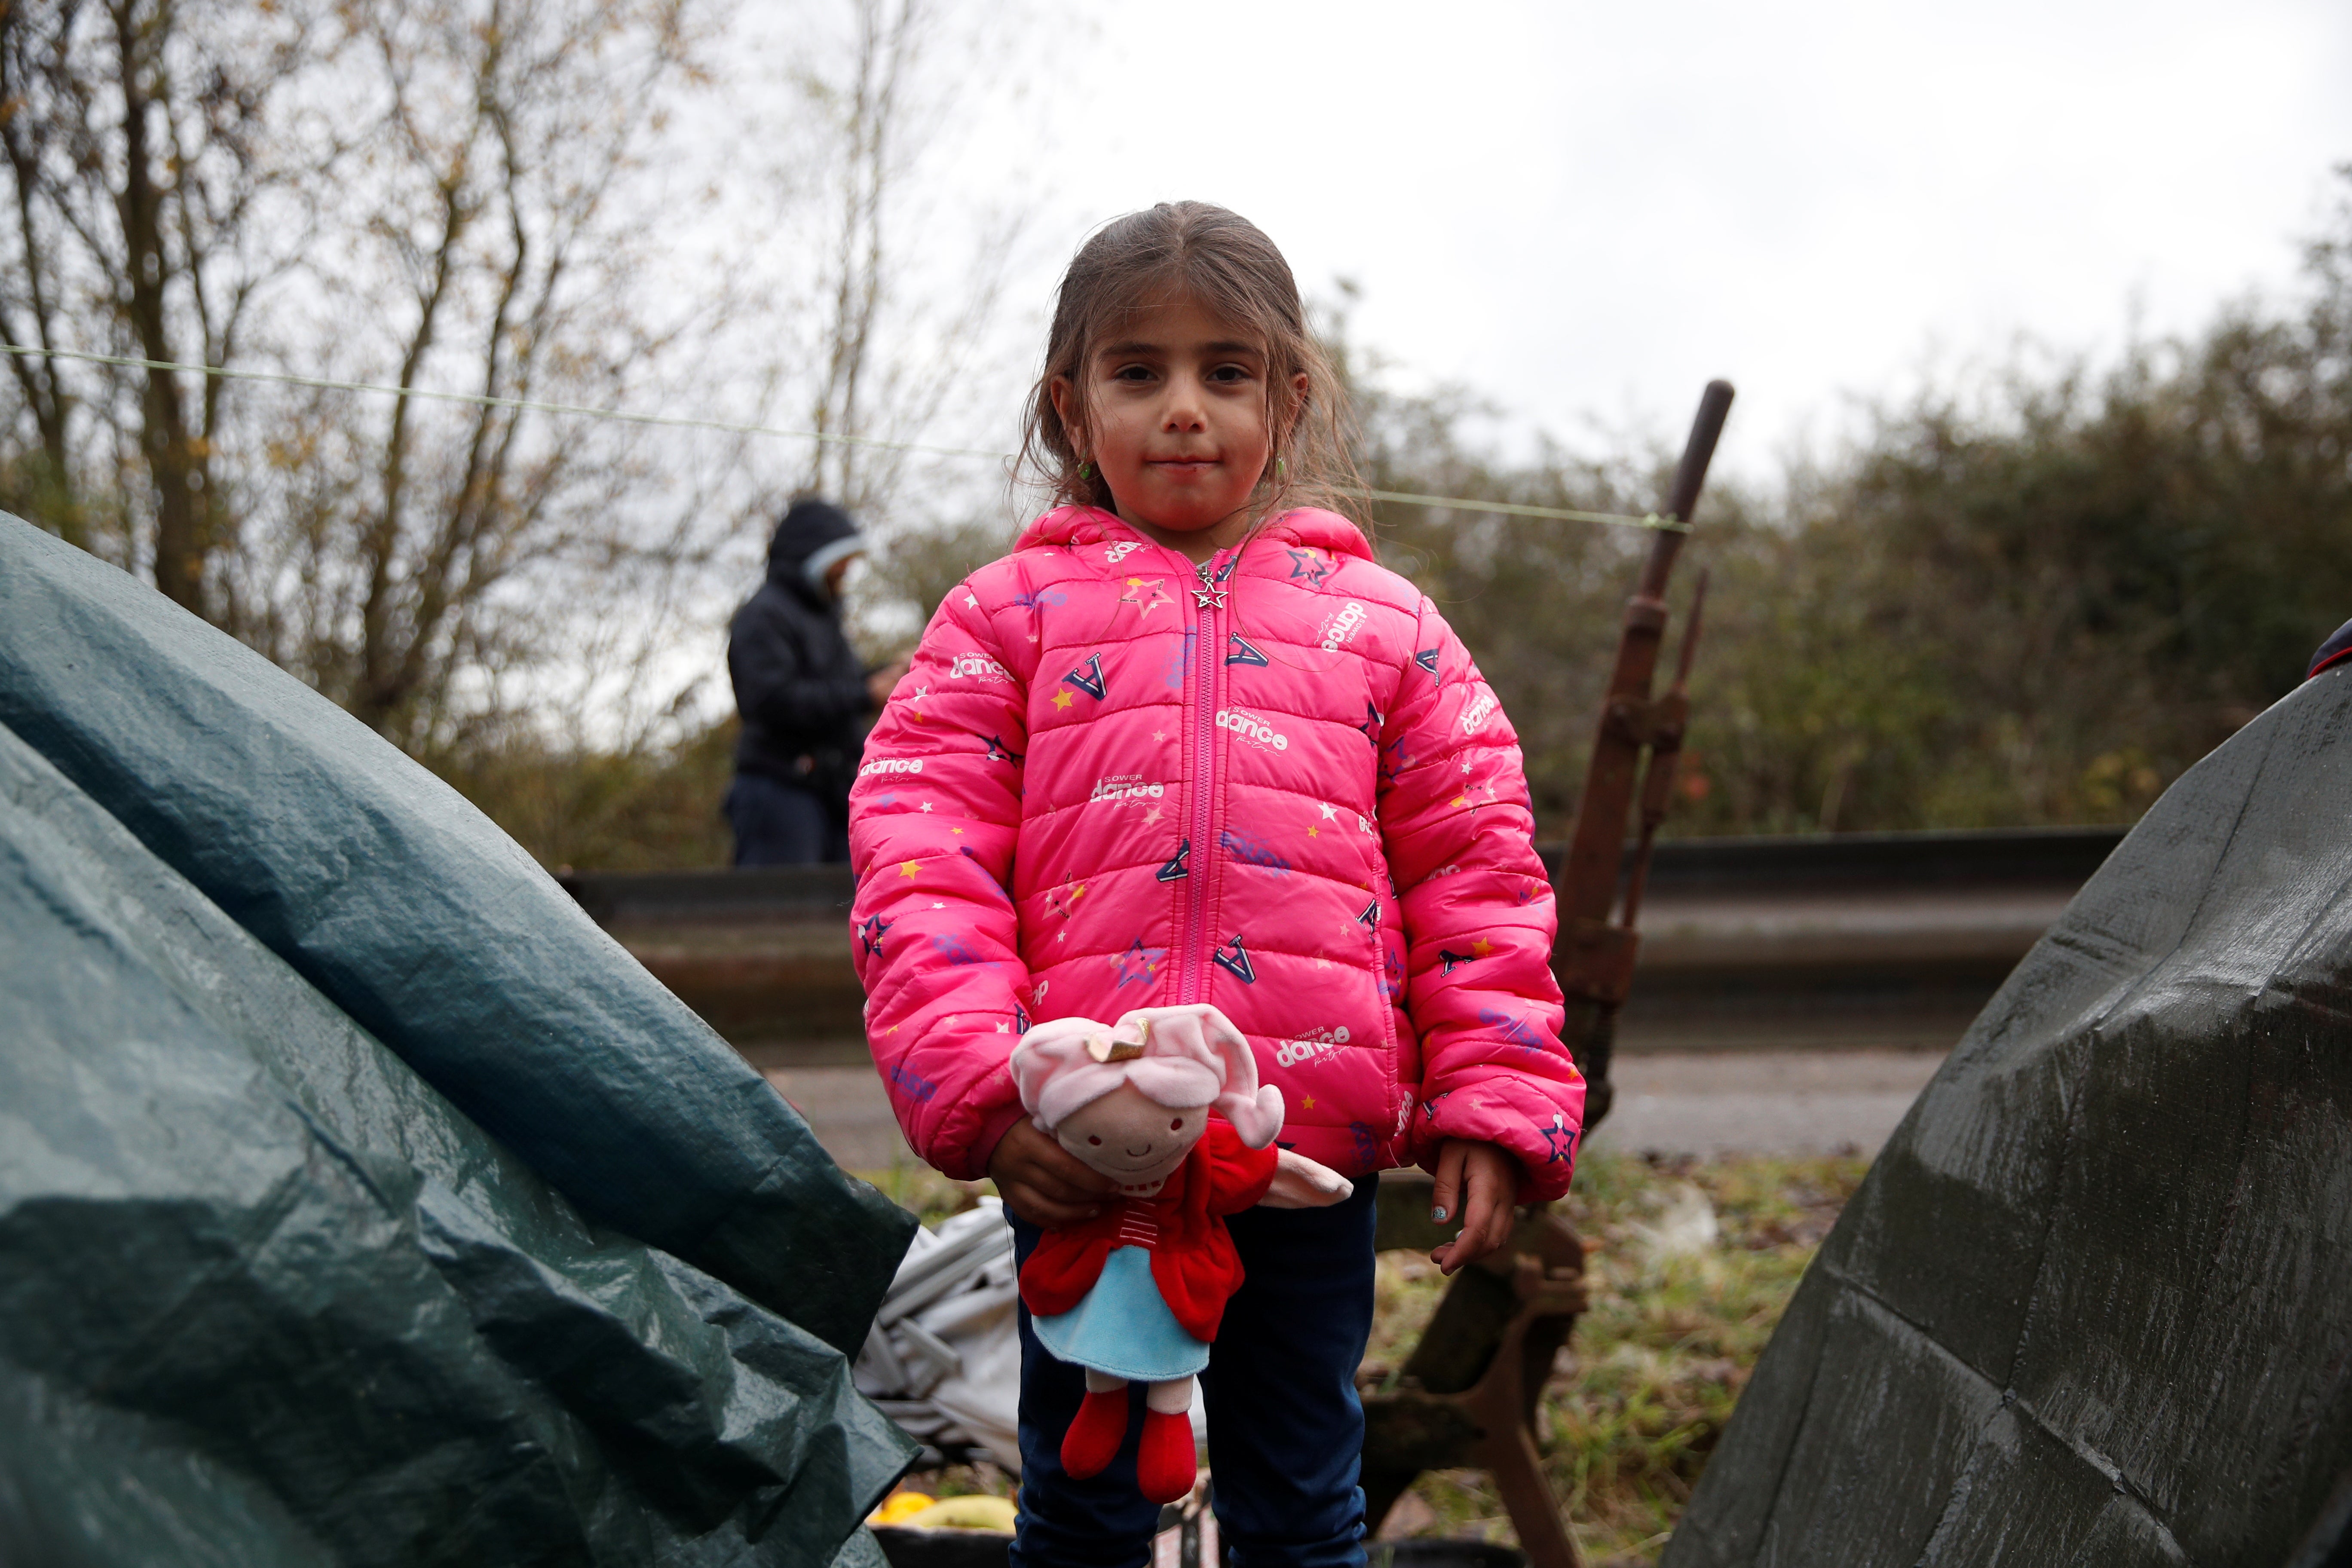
(1277, 467)
(1085, 472)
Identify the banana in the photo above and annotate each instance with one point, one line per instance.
(899, 1507)
(993, 1513)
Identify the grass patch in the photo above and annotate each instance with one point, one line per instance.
(924, 1192)
(1678, 1316)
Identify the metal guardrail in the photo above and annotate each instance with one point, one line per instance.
(1884, 940)
(1890, 939)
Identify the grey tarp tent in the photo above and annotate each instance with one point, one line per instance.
(359, 1200)
(2093, 1304)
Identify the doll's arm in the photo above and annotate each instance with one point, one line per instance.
(1239, 1175)
(1300, 1182)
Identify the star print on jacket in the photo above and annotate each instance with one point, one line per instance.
(1147, 593)
(1371, 725)
(1176, 871)
(1138, 965)
(1234, 960)
(1308, 565)
(1088, 678)
(870, 933)
(1242, 651)
(1560, 1138)
(998, 752)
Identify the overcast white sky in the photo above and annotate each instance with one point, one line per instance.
(1586, 210)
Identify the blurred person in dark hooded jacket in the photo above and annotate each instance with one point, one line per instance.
(803, 693)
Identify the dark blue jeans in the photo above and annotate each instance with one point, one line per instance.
(777, 824)
(1286, 1430)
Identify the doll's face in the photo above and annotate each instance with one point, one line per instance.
(1131, 1140)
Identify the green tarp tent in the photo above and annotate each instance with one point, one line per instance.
(2093, 1304)
(360, 1201)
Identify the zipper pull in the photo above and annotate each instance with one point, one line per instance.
(1211, 593)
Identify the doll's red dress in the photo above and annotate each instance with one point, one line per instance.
(1183, 1226)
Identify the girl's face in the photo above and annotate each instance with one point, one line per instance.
(1173, 412)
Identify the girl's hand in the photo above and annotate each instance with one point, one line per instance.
(1044, 1183)
(1475, 1184)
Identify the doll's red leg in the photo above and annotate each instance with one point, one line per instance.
(1096, 1432)
(1163, 1460)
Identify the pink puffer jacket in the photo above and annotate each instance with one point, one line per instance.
(1355, 888)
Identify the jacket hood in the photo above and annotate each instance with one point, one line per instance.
(813, 535)
(1307, 525)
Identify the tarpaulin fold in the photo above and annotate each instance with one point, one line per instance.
(412, 913)
(267, 1294)
(2090, 1305)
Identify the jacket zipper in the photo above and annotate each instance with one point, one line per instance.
(1205, 742)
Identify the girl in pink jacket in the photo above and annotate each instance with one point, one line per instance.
(1188, 742)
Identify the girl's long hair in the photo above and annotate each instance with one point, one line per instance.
(1227, 265)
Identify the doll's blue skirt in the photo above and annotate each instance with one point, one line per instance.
(1123, 1327)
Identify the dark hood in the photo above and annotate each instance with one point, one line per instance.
(808, 528)
(2332, 652)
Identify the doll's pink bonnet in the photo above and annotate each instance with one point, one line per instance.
(1177, 1057)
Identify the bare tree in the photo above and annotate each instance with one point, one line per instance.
(440, 195)
(867, 111)
(133, 135)
(492, 249)
(889, 346)
(490, 199)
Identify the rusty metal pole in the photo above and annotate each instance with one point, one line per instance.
(1594, 958)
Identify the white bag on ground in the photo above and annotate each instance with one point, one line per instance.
(944, 1360)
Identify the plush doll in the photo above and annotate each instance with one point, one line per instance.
(1166, 1103)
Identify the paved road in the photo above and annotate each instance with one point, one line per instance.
(1671, 1102)
(1762, 1103)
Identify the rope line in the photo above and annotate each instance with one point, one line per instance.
(1513, 509)
(482, 400)
(677, 422)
